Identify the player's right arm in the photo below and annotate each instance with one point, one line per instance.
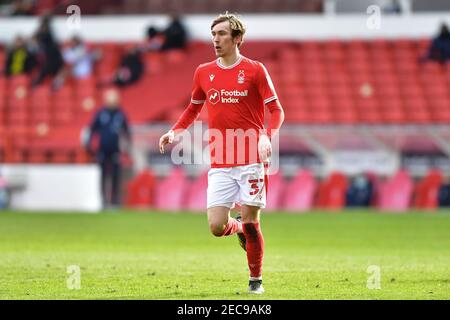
(188, 116)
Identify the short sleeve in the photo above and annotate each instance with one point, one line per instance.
(265, 85)
(198, 95)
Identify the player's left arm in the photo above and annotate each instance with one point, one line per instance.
(276, 117)
(267, 91)
(275, 122)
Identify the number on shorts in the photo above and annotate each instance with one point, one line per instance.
(254, 185)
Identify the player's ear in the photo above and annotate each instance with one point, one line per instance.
(238, 40)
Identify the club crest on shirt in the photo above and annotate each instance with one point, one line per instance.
(241, 77)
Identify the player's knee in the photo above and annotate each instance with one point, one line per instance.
(250, 219)
(216, 229)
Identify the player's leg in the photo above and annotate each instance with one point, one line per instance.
(221, 195)
(254, 246)
(240, 234)
(220, 222)
(252, 199)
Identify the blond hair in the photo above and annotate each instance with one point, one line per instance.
(236, 25)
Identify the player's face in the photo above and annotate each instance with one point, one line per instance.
(223, 42)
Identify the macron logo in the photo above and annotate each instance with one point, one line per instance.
(213, 96)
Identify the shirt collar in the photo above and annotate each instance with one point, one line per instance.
(238, 61)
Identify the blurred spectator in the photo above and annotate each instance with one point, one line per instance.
(444, 193)
(155, 39)
(359, 193)
(20, 59)
(440, 46)
(50, 58)
(175, 35)
(79, 62)
(78, 57)
(110, 124)
(129, 70)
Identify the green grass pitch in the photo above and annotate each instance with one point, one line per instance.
(155, 255)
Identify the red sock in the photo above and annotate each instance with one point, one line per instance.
(231, 228)
(255, 248)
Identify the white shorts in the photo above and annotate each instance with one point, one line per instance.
(244, 185)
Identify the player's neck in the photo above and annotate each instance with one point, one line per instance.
(230, 59)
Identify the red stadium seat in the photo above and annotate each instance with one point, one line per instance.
(396, 193)
(394, 117)
(297, 116)
(141, 190)
(345, 117)
(275, 191)
(18, 95)
(18, 117)
(331, 193)
(170, 192)
(3, 93)
(196, 194)
(426, 193)
(300, 192)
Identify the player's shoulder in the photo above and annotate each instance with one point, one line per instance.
(254, 64)
(206, 66)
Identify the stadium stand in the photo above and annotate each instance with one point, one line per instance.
(396, 193)
(170, 191)
(300, 192)
(196, 195)
(140, 190)
(426, 191)
(331, 193)
(326, 82)
(321, 83)
(275, 191)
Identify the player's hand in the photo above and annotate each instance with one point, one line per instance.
(264, 148)
(165, 139)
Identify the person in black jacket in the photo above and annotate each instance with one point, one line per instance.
(175, 35)
(111, 125)
(49, 54)
(129, 71)
(440, 46)
(131, 68)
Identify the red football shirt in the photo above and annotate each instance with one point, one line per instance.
(235, 97)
